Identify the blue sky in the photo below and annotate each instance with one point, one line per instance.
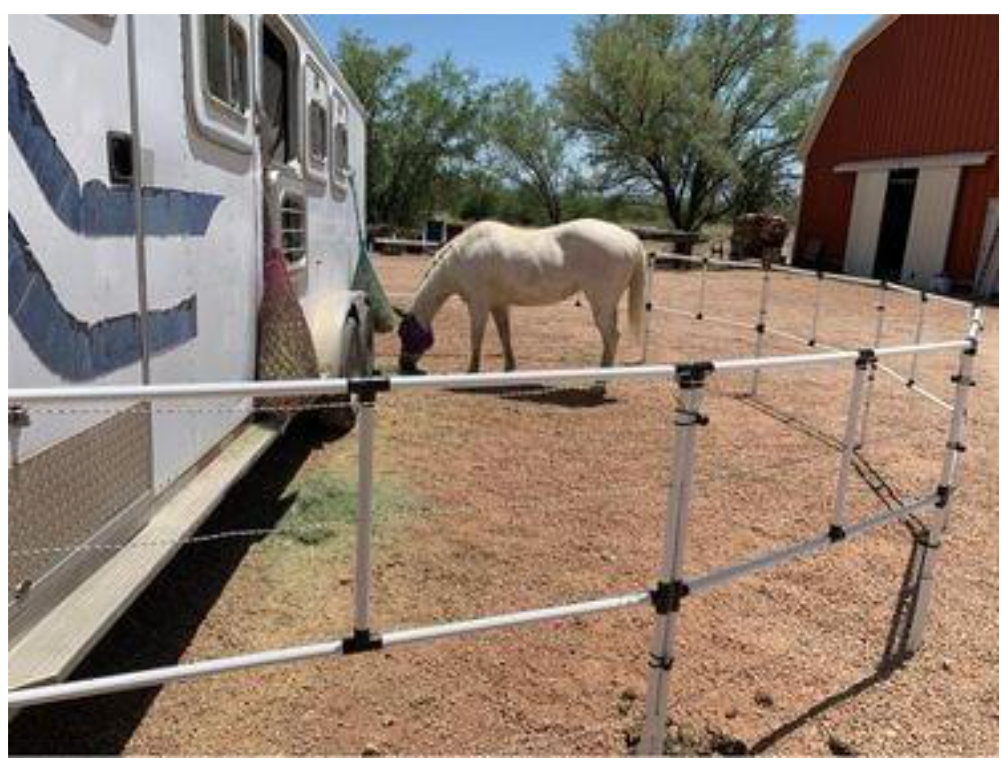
(511, 46)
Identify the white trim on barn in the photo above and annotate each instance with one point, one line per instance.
(933, 161)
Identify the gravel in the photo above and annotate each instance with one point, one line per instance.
(536, 500)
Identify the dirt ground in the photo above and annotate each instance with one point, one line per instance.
(494, 502)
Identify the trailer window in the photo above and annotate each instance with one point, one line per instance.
(318, 132)
(225, 45)
(340, 151)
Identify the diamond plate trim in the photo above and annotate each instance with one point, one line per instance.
(62, 496)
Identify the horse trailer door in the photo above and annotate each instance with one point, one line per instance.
(199, 150)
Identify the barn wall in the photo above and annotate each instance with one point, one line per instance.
(825, 208)
(926, 85)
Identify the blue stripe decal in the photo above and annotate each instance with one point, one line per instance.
(69, 347)
(94, 209)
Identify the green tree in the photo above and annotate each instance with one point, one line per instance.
(420, 129)
(528, 145)
(706, 112)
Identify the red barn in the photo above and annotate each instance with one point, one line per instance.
(901, 171)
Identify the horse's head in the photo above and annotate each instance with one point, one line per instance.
(415, 341)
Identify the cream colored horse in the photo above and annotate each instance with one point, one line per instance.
(492, 266)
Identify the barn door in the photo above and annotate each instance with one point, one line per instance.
(864, 223)
(932, 218)
(895, 221)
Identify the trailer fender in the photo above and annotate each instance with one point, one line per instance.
(352, 350)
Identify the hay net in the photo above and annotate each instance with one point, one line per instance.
(285, 346)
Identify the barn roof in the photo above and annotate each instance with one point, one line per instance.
(867, 36)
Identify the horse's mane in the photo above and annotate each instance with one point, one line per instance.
(441, 256)
(473, 231)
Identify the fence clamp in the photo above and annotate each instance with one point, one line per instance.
(692, 375)
(925, 541)
(866, 358)
(361, 641)
(18, 416)
(366, 388)
(667, 596)
(943, 493)
(662, 663)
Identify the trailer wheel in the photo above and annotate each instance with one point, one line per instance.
(357, 357)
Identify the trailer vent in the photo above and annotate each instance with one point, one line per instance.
(119, 158)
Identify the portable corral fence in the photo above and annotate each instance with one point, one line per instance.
(811, 338)
(673, 585)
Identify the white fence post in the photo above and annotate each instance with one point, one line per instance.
(816, 318)
(864, 363)
(670, 587)
(701, 303)
(763, 310)
(878, 337)
(365, 400)
(917, 340)
(649, 259)
(963, 381)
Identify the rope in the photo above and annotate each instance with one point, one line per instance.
(241, 533)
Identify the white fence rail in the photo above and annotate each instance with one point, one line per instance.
(673, 585)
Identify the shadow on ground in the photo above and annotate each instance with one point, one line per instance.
(894, 656)
(158, 628)
(565, 397)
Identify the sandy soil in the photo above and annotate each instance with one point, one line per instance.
(517, 501)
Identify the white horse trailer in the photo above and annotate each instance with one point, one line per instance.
(103, 111)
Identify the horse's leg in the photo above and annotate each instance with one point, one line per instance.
(478, 323)
(606, 317)
(501, 321)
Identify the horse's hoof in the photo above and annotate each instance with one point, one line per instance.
(411, 370)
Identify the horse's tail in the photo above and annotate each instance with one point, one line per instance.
(638, 289)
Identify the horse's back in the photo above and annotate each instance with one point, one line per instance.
(504, 264)
(596, 236)
(612, 240)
